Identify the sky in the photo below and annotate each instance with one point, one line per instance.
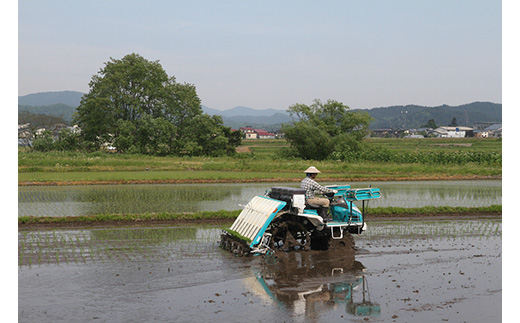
(273, 54)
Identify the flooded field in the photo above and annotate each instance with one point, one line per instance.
(409, 271)
(131, 199)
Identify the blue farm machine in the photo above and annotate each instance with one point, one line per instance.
(281, 220)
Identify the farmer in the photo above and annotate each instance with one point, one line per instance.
(312, 188)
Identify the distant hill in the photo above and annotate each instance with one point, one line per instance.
(58, 104)
(270, 123)
(269, 119)
(64, 103)
(57, 110)
(243, 111)
(71, 98)
(414, 116)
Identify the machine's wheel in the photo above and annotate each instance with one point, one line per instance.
(289, 236)
(347, 242)
(238, 248)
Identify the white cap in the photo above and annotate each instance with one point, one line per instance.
(312, 170)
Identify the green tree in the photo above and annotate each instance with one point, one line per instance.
(67, 140)
(135, 106)
(39, 120)
(320, 129)
(43, 141)
(453, 122)
(430, 124)
(205, 137)
(125, 141)
(234, 140)
(64, 140)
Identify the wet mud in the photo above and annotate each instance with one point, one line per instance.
(438, 271)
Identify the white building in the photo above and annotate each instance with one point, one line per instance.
(451, 132)
(250, 133)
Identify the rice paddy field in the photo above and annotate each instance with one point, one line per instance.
(403, 271)
(67, 201)
(415, 269)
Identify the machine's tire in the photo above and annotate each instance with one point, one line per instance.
(289, 235)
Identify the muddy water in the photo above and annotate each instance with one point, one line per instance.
(401, 271)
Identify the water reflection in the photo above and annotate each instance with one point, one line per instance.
(118, 245)
(120, 199)
(309, 284)
(440, 193)
(181, 275)
(129, 199)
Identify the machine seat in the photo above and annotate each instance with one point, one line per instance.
(312, 206)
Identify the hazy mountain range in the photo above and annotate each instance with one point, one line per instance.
(64, 104)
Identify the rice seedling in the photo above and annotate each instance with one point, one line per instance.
(161, 201)
(482, 229)
(114, 245)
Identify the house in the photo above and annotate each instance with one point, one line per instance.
(452, 132)
(262, 134)
(482, 125)
(250, 133)
(386, 132)
(494, 130)
(75, 129)
(424, 130)
(481, 134)
(24, 131)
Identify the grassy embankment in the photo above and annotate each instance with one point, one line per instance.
(260, 162)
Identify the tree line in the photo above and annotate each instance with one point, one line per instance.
(135, 107)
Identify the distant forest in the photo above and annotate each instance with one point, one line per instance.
(396, 117)
(63, 112)
(414, 116)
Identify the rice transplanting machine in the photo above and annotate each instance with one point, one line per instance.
(283, 221)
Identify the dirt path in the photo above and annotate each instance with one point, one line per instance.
(243, 149)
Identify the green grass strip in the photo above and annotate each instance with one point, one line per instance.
(493, 209)
(222, 214)
(231, 215)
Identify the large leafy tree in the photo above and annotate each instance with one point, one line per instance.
(135, 106)
(322, 128)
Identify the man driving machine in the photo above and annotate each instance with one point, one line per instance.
(312, 188)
